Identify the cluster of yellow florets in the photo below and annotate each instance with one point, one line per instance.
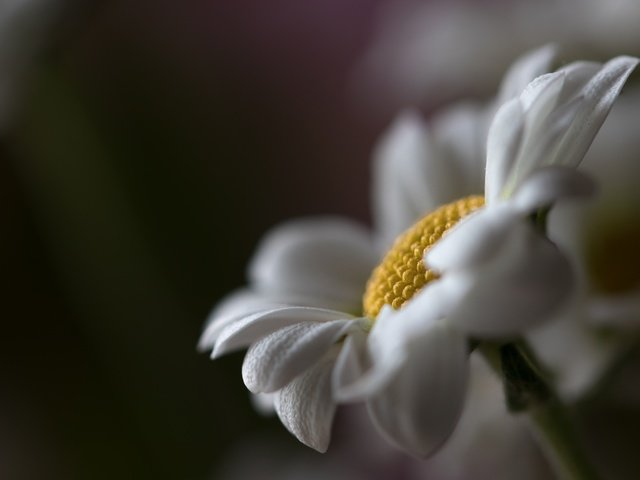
(402, 272)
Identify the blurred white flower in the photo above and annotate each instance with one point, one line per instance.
(601, 237)
(499, 274)
(422, 49)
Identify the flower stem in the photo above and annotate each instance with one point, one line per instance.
(558, 441)
(526, 389)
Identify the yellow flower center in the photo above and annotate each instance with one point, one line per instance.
(402, 272)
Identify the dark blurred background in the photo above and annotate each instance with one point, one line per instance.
(154, 143)
(147, 145)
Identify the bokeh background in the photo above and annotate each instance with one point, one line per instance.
(146, 146)
(153, 144)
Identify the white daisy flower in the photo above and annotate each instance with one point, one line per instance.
(303, 278)
(601, 238)
(497, 275)
(421, 48)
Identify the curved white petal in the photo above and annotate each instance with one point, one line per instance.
(550, 184)
(542, 144)
(460, 141)
(305, 406)
(503, 143)
(598, 97)
(543, 93)
(278, 358)
(353, 362)
(243, 303)
(420, 407)
(576, 356)
(399, 161)
(415, 170)
(475, 240)
(526, 68)
(577, 75)
(523, 286)
(359, 374)
(246, 330)
(393, 331)
(538, 101)
(264, 403)
(321, 258)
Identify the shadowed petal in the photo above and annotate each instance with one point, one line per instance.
(550, 184)
(577, 75)
(599, 94)
(305, 406)
(522, 287)
(475, 240)
(503, 144)
(243, 303)
(538, 100)
(246, 330)
(387, 351)
(460, 140)
(404, 168)
(420, 407)
(352, 363)
(321, 258)
(576, 355)
(524, 70)
(275, 360)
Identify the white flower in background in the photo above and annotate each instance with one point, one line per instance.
(425, 47)
(22, 23)
(601, 236)
(497, 275)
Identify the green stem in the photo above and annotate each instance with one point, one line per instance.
(557, 439)
(526, 389)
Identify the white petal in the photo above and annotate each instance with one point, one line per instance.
(414, 173)
(264, 403)
(524, 70)
(576, 356)
(246, 330)
(420, 408)
(359, 374)
(399, 159)
(352, 363)
(393, 330)
(240, 304)
(460, 141)
(503, 143)
(322, 258)
(278, 358)
(542, 94)
(474, 240)
(305, 405)
(577, 75)
(599, 95)
(550, 184)
(538, 100)
(523, 286)
(418, 168)
(541, 145)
